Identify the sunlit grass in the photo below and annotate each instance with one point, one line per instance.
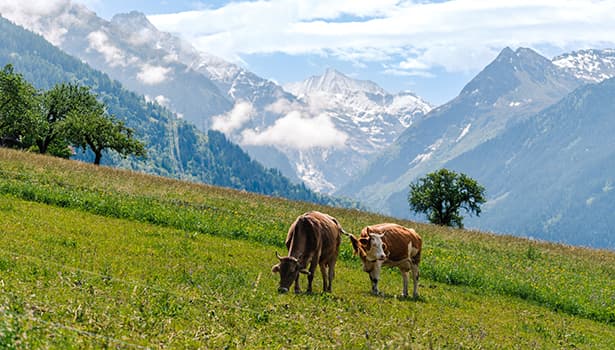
(95, 256)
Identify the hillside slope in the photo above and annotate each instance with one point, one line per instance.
(175, 148)
(512, 88)
(122, 259)
(553, 173)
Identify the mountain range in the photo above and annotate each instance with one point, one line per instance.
(175, 147)
(337, 138)
(532, 130)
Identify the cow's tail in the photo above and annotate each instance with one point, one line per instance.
(337, 223)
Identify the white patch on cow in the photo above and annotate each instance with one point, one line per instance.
(376, 251)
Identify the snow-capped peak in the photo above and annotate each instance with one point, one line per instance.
(134, 19)
(589, 65)
(334, 82)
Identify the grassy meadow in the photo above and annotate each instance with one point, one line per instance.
(93, 257)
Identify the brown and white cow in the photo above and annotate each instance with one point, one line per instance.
(314, 238)
(390, 245)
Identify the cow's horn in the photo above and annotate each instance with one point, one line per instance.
(278, 255)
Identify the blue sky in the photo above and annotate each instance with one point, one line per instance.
(432, 48)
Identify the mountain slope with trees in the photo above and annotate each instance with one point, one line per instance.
(515, 86)
(175, 148)
(553, 173)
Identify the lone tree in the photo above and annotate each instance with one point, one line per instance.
(92, 127)
(442, 193)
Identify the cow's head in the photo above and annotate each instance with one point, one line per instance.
(289, 270)
(371, 248)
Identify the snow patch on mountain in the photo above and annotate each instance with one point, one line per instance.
(464, 132)
(373, 116)
(589, 65)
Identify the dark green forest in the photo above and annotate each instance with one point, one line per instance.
(174, 147)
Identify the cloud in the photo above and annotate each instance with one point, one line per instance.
(241, 113)
(160, 99)
(458, 35)
(152, 75)
(99, 41)
(297, 130)
(46, 17)
(408, 73)
(283, 106)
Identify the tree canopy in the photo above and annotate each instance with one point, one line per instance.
(18, 108)
(94, 129)
(66, 114)
(441, 194)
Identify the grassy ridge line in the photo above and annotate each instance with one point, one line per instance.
(161, 287)
(576, 281)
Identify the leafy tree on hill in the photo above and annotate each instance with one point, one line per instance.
(56, 105)
(443, 193)
(92, 127)
(18, 108)
(65, 114)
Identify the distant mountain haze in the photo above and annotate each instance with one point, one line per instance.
(532, 133)
(552, 176)
(515, 86)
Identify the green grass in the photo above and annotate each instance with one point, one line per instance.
(96, 257)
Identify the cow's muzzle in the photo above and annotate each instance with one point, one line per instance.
(282, 290)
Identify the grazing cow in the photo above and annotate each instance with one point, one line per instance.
(390, 245)
(313, 238)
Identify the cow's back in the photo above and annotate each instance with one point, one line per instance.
(314, 232)
(397, 238)
(330, 232)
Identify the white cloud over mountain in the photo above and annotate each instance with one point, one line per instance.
(457, 35)
(227, 123)
(99, 41)
(297, 130)
(152, 75)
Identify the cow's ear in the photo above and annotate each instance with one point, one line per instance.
(355, 243)
(275, 268)
(305, 271)
(364, 242)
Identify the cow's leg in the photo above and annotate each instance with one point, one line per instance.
(323, 272)
(374, 276)
(331, 274)
(404, 276)
(297, 288)
(415, 278)
(313, 265)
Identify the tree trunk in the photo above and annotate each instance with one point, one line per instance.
(97, 157)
